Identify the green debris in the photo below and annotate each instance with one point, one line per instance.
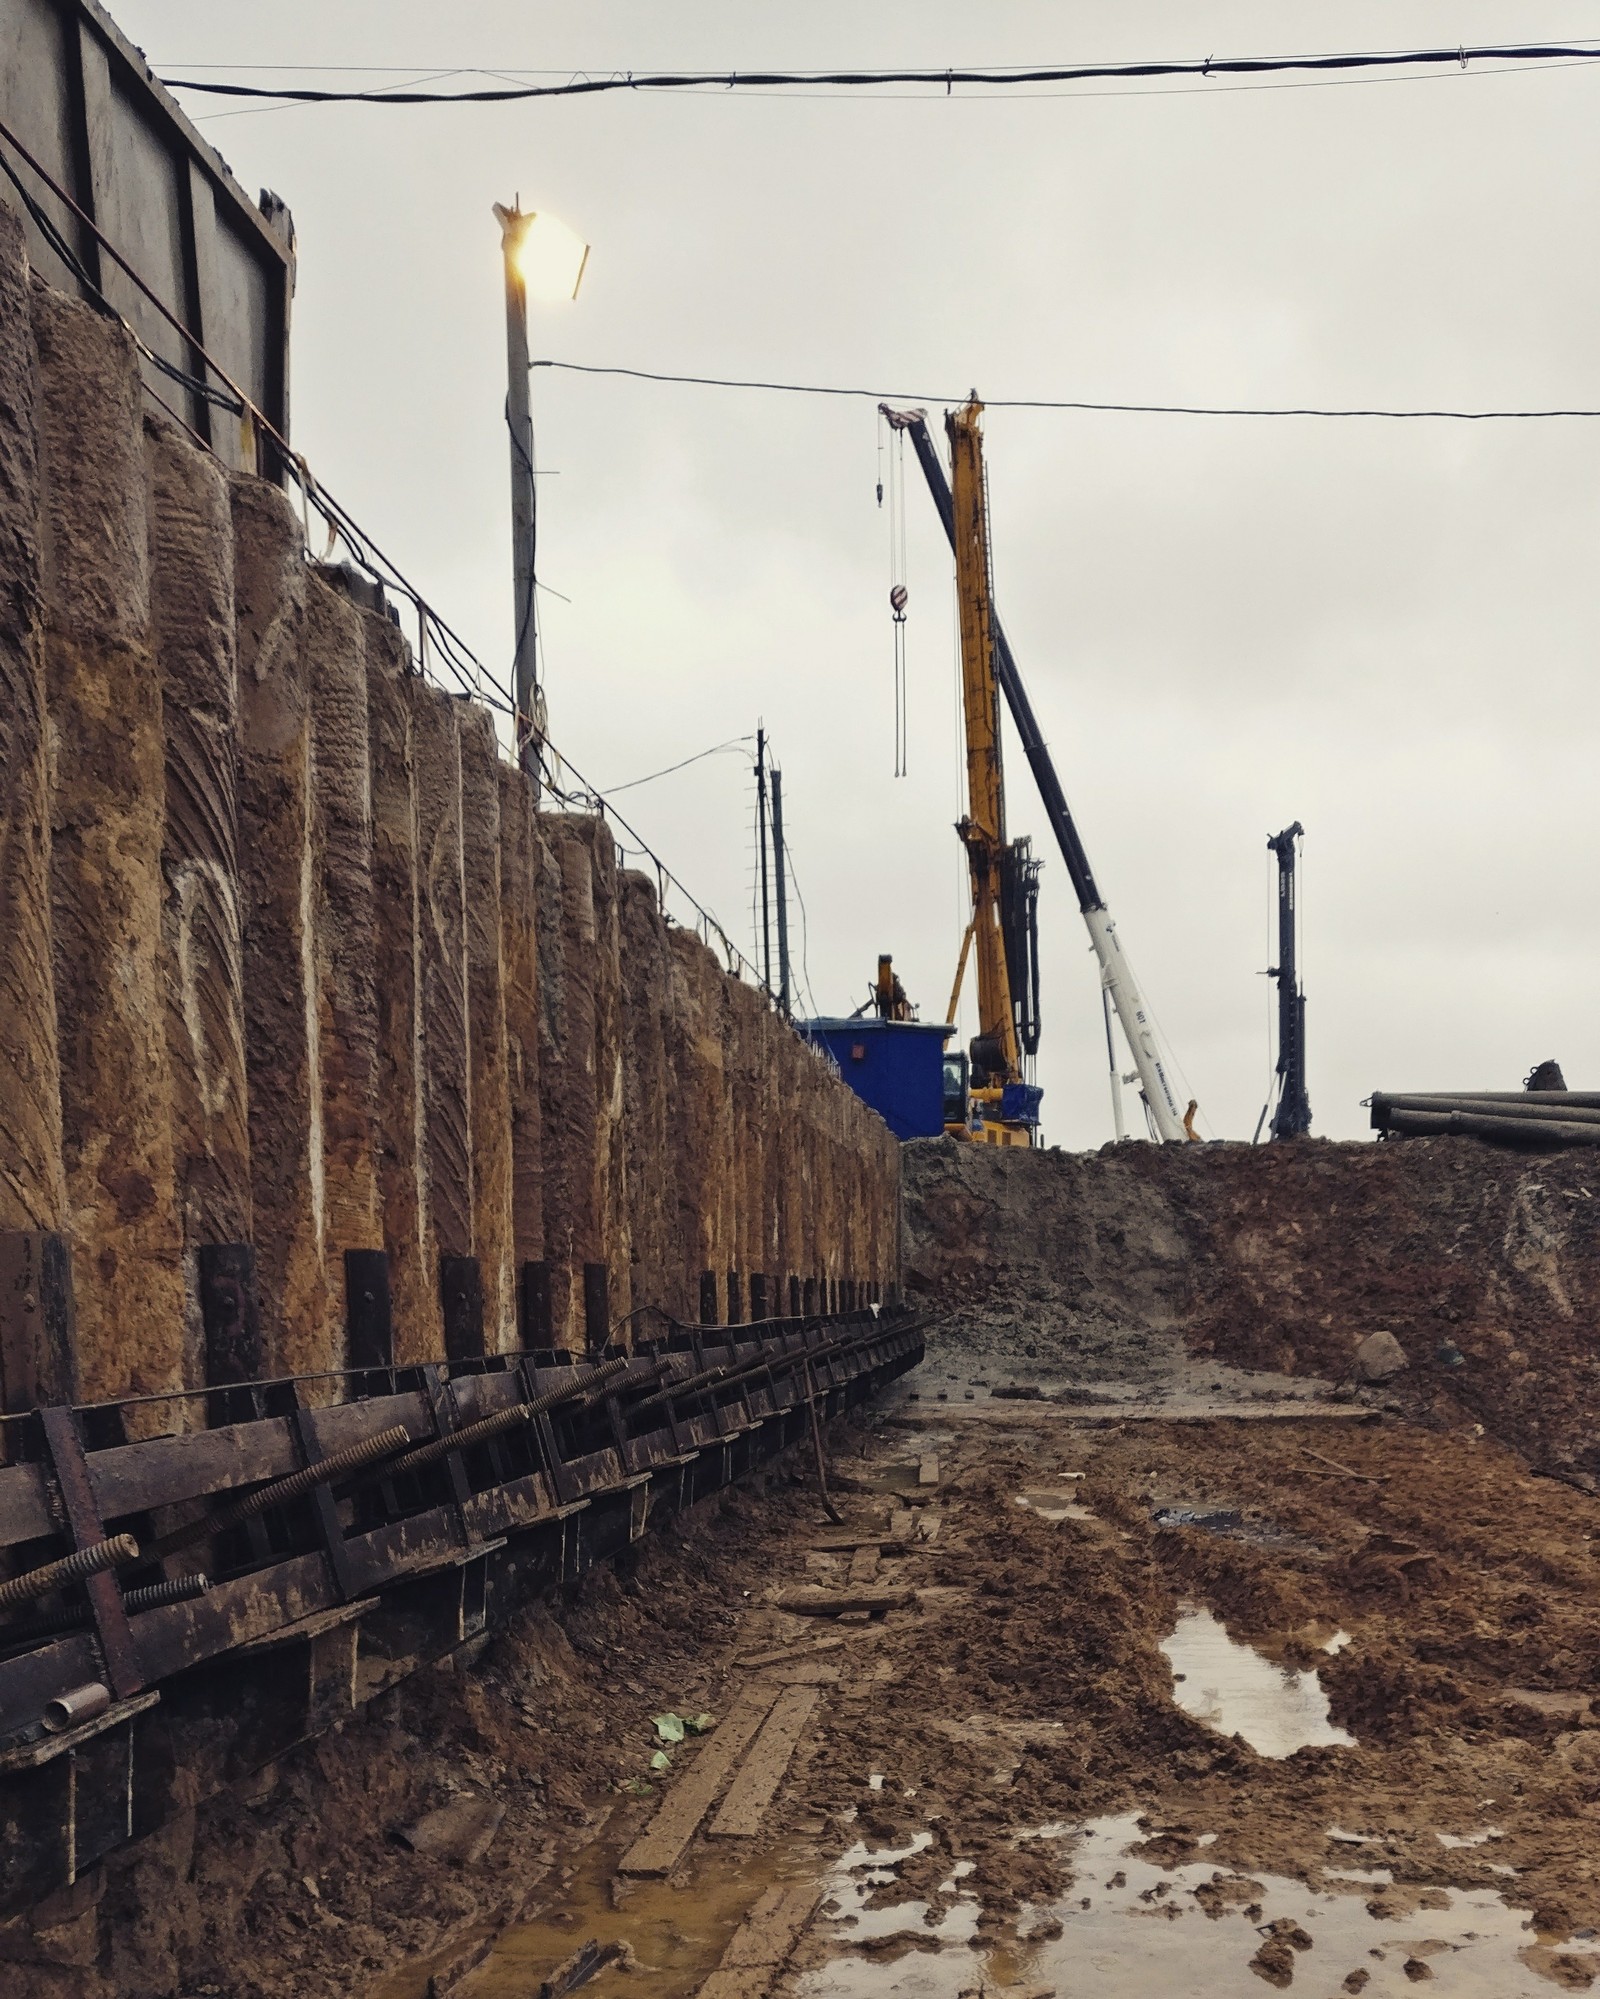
(670, 1727)
(697, 1724)
(661, 1760)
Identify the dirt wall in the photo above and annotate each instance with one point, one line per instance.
(1483, 1263)
(289, 959)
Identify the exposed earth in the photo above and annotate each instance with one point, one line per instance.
(1045, 1770)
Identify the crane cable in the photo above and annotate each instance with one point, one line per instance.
(899, 595)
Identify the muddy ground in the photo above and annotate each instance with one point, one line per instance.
(1025, 1688)
(1483, 1262)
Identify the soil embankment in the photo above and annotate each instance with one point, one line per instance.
(1484, 1264)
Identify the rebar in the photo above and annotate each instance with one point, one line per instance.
(291, 1487)
(180, 1589)
(92, 1561)
(503, 1420)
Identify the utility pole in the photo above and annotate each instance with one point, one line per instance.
(782, 884)
(761, 827)
(1292, 1118)
(529, 697)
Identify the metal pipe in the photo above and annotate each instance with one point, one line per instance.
(92, 1561)
(1430, 1124)
(73, 1709)
(282, 1491)
(1513, 1107)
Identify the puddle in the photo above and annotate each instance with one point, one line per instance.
(1233, 1689)
(1230, 1523)
(1132, 1930)
(677, 1934)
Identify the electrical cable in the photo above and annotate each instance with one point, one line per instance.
(1048, 403)
(717, 749)
(876, 79)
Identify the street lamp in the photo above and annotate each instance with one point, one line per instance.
(544, 260)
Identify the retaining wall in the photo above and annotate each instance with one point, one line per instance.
(290, 967)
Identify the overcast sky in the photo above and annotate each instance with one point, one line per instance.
(1388, 631)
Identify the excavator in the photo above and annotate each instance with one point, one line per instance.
(998, 1103)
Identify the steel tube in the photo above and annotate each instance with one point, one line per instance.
(1434, 1124)
(74, 1708)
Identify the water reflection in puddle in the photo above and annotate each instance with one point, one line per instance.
(1132, 1930)
(1233, 1689)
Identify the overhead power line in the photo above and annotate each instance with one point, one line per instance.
(982, 77)
(1044, 403)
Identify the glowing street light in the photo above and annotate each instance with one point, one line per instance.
(544, 260)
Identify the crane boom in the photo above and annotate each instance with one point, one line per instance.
(983, 829)
(1116, 973)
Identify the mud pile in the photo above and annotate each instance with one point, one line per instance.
(1484, 1264)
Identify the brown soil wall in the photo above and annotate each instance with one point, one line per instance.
(289, 958)
(32, 1187)
(1288, 1256)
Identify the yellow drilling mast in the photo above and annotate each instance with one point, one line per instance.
(996, 1053)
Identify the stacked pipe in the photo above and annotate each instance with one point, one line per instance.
(1510, 1117)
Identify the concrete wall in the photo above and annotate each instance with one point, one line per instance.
(289, 963)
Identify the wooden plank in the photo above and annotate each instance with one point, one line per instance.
(826, 1603)
(660, 1847)
(343, 1423)
(803, 1673)
(928, 1470)
(863, 1567)
(181, 1634)
(31, 1755)
(33, 1678)
(763, 1770)
(132, 1478)
(903, 1524)
(523, 1502)
(24, 1505)
(786, 1654)
(747, 1981)
(773, 1927)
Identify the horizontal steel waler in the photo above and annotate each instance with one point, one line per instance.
(307, 1553)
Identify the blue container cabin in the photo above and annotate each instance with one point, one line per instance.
(896, 1066)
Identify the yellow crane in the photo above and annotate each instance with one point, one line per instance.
(1004, 875)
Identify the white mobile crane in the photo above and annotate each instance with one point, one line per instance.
(1119, 988)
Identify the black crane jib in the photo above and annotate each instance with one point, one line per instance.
(1053, 797)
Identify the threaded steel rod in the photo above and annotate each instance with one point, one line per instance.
(282, 1490)
(93, 1561)
(178, 1590)
(503, 1420)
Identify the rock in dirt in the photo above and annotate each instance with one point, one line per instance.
(461, 1831)
(1380, 1357)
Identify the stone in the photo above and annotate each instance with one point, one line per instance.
(1379, 1357)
